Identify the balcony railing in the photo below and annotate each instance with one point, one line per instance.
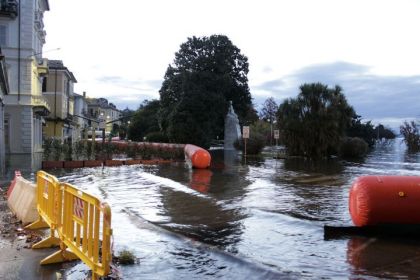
(9, 8)
(40, 105)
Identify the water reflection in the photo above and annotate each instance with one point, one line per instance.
(327, 166)
(201, 219)
(267, 212)
(200, 180)
(384, 258)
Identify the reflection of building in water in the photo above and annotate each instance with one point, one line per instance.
(211, 219)
(201, 218)
(384, 258)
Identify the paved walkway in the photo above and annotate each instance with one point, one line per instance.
(17, 261)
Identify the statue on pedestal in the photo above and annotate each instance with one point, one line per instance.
(232, 128)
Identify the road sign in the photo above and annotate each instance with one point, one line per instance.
(276, 134)
(245, 132)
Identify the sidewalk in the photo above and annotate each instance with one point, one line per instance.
(17, 260)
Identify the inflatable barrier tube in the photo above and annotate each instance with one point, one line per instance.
(376, 200)
(199, 157)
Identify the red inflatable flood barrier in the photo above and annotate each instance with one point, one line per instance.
(200, 158)
(378, 200)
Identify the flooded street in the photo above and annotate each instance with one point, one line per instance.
(259, 220)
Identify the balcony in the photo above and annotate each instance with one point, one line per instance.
(40, 105)
(85, 113)
(42, 67)
(9, 8)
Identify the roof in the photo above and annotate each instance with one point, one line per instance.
(58, 65)
(101, 102)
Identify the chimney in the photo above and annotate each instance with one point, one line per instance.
(84, 94)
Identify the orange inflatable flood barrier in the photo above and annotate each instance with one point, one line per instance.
(380, 200)
(199, 157)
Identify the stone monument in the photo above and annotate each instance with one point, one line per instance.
(232, 129)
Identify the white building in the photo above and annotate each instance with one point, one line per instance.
(81, 116)
(22, 36)
(4, 90)
(105, 113)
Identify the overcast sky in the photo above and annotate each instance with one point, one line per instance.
(120, 49)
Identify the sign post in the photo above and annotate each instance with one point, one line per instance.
(245, 135)
(276, 135)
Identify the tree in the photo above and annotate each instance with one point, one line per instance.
(365, 131)
(126, 116)
(144, 120)
(207, 73)
(313, 124)
(411, 135)
(269, 113)
(384, 133)
(269, 110)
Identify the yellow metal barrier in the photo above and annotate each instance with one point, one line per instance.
(82, 222)
(49, 200)
(86, 221)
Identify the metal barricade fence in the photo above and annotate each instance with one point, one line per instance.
(49, 200)
(82, 221)
(86, 231)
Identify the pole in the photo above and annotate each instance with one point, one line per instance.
(245, 147)
(271, 133)
(93, 141)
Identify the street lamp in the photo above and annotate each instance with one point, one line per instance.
(126, 130)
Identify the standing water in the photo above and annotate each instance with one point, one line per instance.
(262, 219)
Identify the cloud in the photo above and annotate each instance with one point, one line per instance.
(136, 84)
(273, 85)
(372, 96)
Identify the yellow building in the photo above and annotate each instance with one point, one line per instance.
(106, 114)
(57, 88)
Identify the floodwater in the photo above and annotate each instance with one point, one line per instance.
(262, 219)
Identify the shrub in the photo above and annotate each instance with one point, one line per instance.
(157, 137)
(79, 150)
(108, 149)
(57, 149)
(353, 147)
(90, 150)
(263, 128)
(411, 135)
(132, 150)
(126, 257)
(48, 148)
(254, 144)
(67, 150)
(144, 151)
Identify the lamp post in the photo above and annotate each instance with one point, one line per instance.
(271, 131)
(126, 131)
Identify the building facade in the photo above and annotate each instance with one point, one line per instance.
(106, 114)
(4, 90)
(57, 88)
(22, 36)
(81, 116)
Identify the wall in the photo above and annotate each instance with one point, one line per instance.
(25, 128)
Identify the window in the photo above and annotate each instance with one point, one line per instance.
(3, 35)
(44, 84)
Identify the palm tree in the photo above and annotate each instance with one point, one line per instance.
(313, 123)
